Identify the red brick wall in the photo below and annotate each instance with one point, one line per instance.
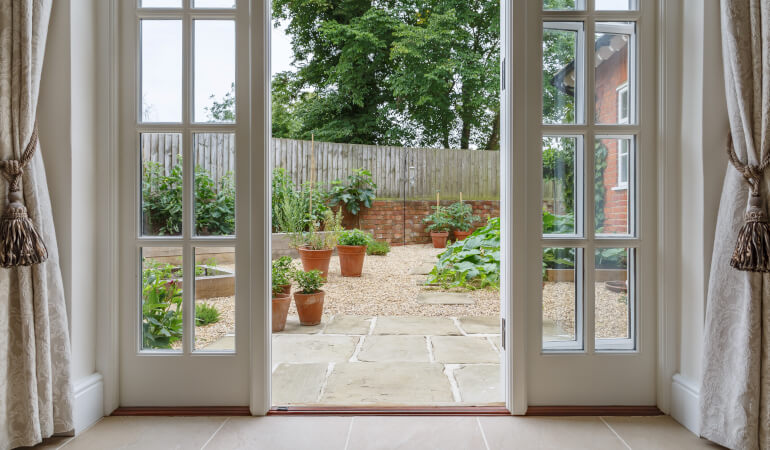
(610, 75)
(401, 223)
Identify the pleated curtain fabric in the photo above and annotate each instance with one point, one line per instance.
(35, 386)
(735, 391)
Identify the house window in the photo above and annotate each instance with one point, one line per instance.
(623, 104)
(623, 163)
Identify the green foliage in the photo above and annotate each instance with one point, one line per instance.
(285, 100)
(600, 165)
(205, 314)
(354, 237)
(473, 263)
(380, 248)
(559, 165)
(332, 227)
(223, 110)
(611, 258)
(359, 190)
(162, 201)
(161, 307)
(291, 211)
(555, 224)
(309, 282)
(439, 220)
(557, 258)
(461, 216)
(559, 51)
(281, 273)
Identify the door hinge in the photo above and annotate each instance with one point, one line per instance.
(502, 332)
(502, 76)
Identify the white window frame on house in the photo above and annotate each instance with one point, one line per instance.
(623, 175)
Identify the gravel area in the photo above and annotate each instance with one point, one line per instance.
(211, 333)
(611, 309)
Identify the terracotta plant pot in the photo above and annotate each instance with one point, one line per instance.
(310, 307)
(351, 259)
(281, 303)
(315, 260)
(439, 238)
(461, 235)
(286, 288)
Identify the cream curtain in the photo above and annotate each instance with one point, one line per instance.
(35, 386)
(735, 392)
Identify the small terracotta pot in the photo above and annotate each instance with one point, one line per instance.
(315, 260)
(310, 307)
(351, 259)
(281, 303)
(286, 288)
(439, 238)
(461, 235)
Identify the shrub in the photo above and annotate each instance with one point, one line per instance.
(309, 282)
(439, 221)
(354, 237)
(358, 191)
(473, 263)
(378, 248)
(461, 216)
(205, 314)
(161, 307)
(281, 273)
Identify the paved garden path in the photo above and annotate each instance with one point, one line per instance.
(361, 360)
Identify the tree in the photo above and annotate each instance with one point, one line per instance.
(222, 110)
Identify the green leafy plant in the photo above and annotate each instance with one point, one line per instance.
(354, 237)
(359, 190)
(611, 258)
(557, 258)
(558, 224)
(291, 207)
(332, 227)
(309, 282)
(461, 216)
(438, 221)
(281, 273)
(473, 263)
(161, 307)
(205, 314)
(380, 248)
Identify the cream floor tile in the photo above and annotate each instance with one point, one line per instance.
(282, 432)
(660, 432)
(51, 443)
(539, 433)
(148, 433)
(396, 433)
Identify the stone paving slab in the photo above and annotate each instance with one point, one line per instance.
(480, 325)
(423, 268)
(479, 384)
(298, 383)
(394, 348)
(301, 348)
(463, 350)
(444, 298)
(225, 343)
(342, 324)
(498, 341)
(397, 383)
(431, 326)
(293, 326)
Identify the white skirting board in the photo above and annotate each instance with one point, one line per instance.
(685, 396)
(89, 401)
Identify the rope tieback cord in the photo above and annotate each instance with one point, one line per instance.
(20, 243)
(752, 249)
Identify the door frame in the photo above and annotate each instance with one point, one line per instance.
(107, 314)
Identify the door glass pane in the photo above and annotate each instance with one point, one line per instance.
(559, 185)
(613, 300)
(214, 70)
(215, 298)
(560, 296)
(614, 86)
(161, 159)
(214, 183)
(161, 62)
(560, 5)
(213, 3)
(615, 5)
(162, 298)
(562, 77)
(160, 4)
(613, 185)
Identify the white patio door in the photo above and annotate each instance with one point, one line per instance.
(185, 203)
(584, 101)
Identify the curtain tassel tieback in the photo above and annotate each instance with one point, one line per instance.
(20, 243)
(752, 249)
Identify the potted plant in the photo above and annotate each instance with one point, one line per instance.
(316, 249)
(309, 297)
(281, 291)
(461, 215)
(351, 248)
(440, 224)
(358, 192)
(281, 270)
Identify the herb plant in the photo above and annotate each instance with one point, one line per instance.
(380, 248)
(332, 226)
(461, 216)
(309, 282)
(161, 307)
(281, 273)
(359, 190)
(205, 314)
(354, 237)
(473, 263)
(439, 220)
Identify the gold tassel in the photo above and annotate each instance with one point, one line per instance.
(752, 250)
(20, 243)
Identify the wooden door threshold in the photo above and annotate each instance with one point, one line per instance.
(390, 410)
